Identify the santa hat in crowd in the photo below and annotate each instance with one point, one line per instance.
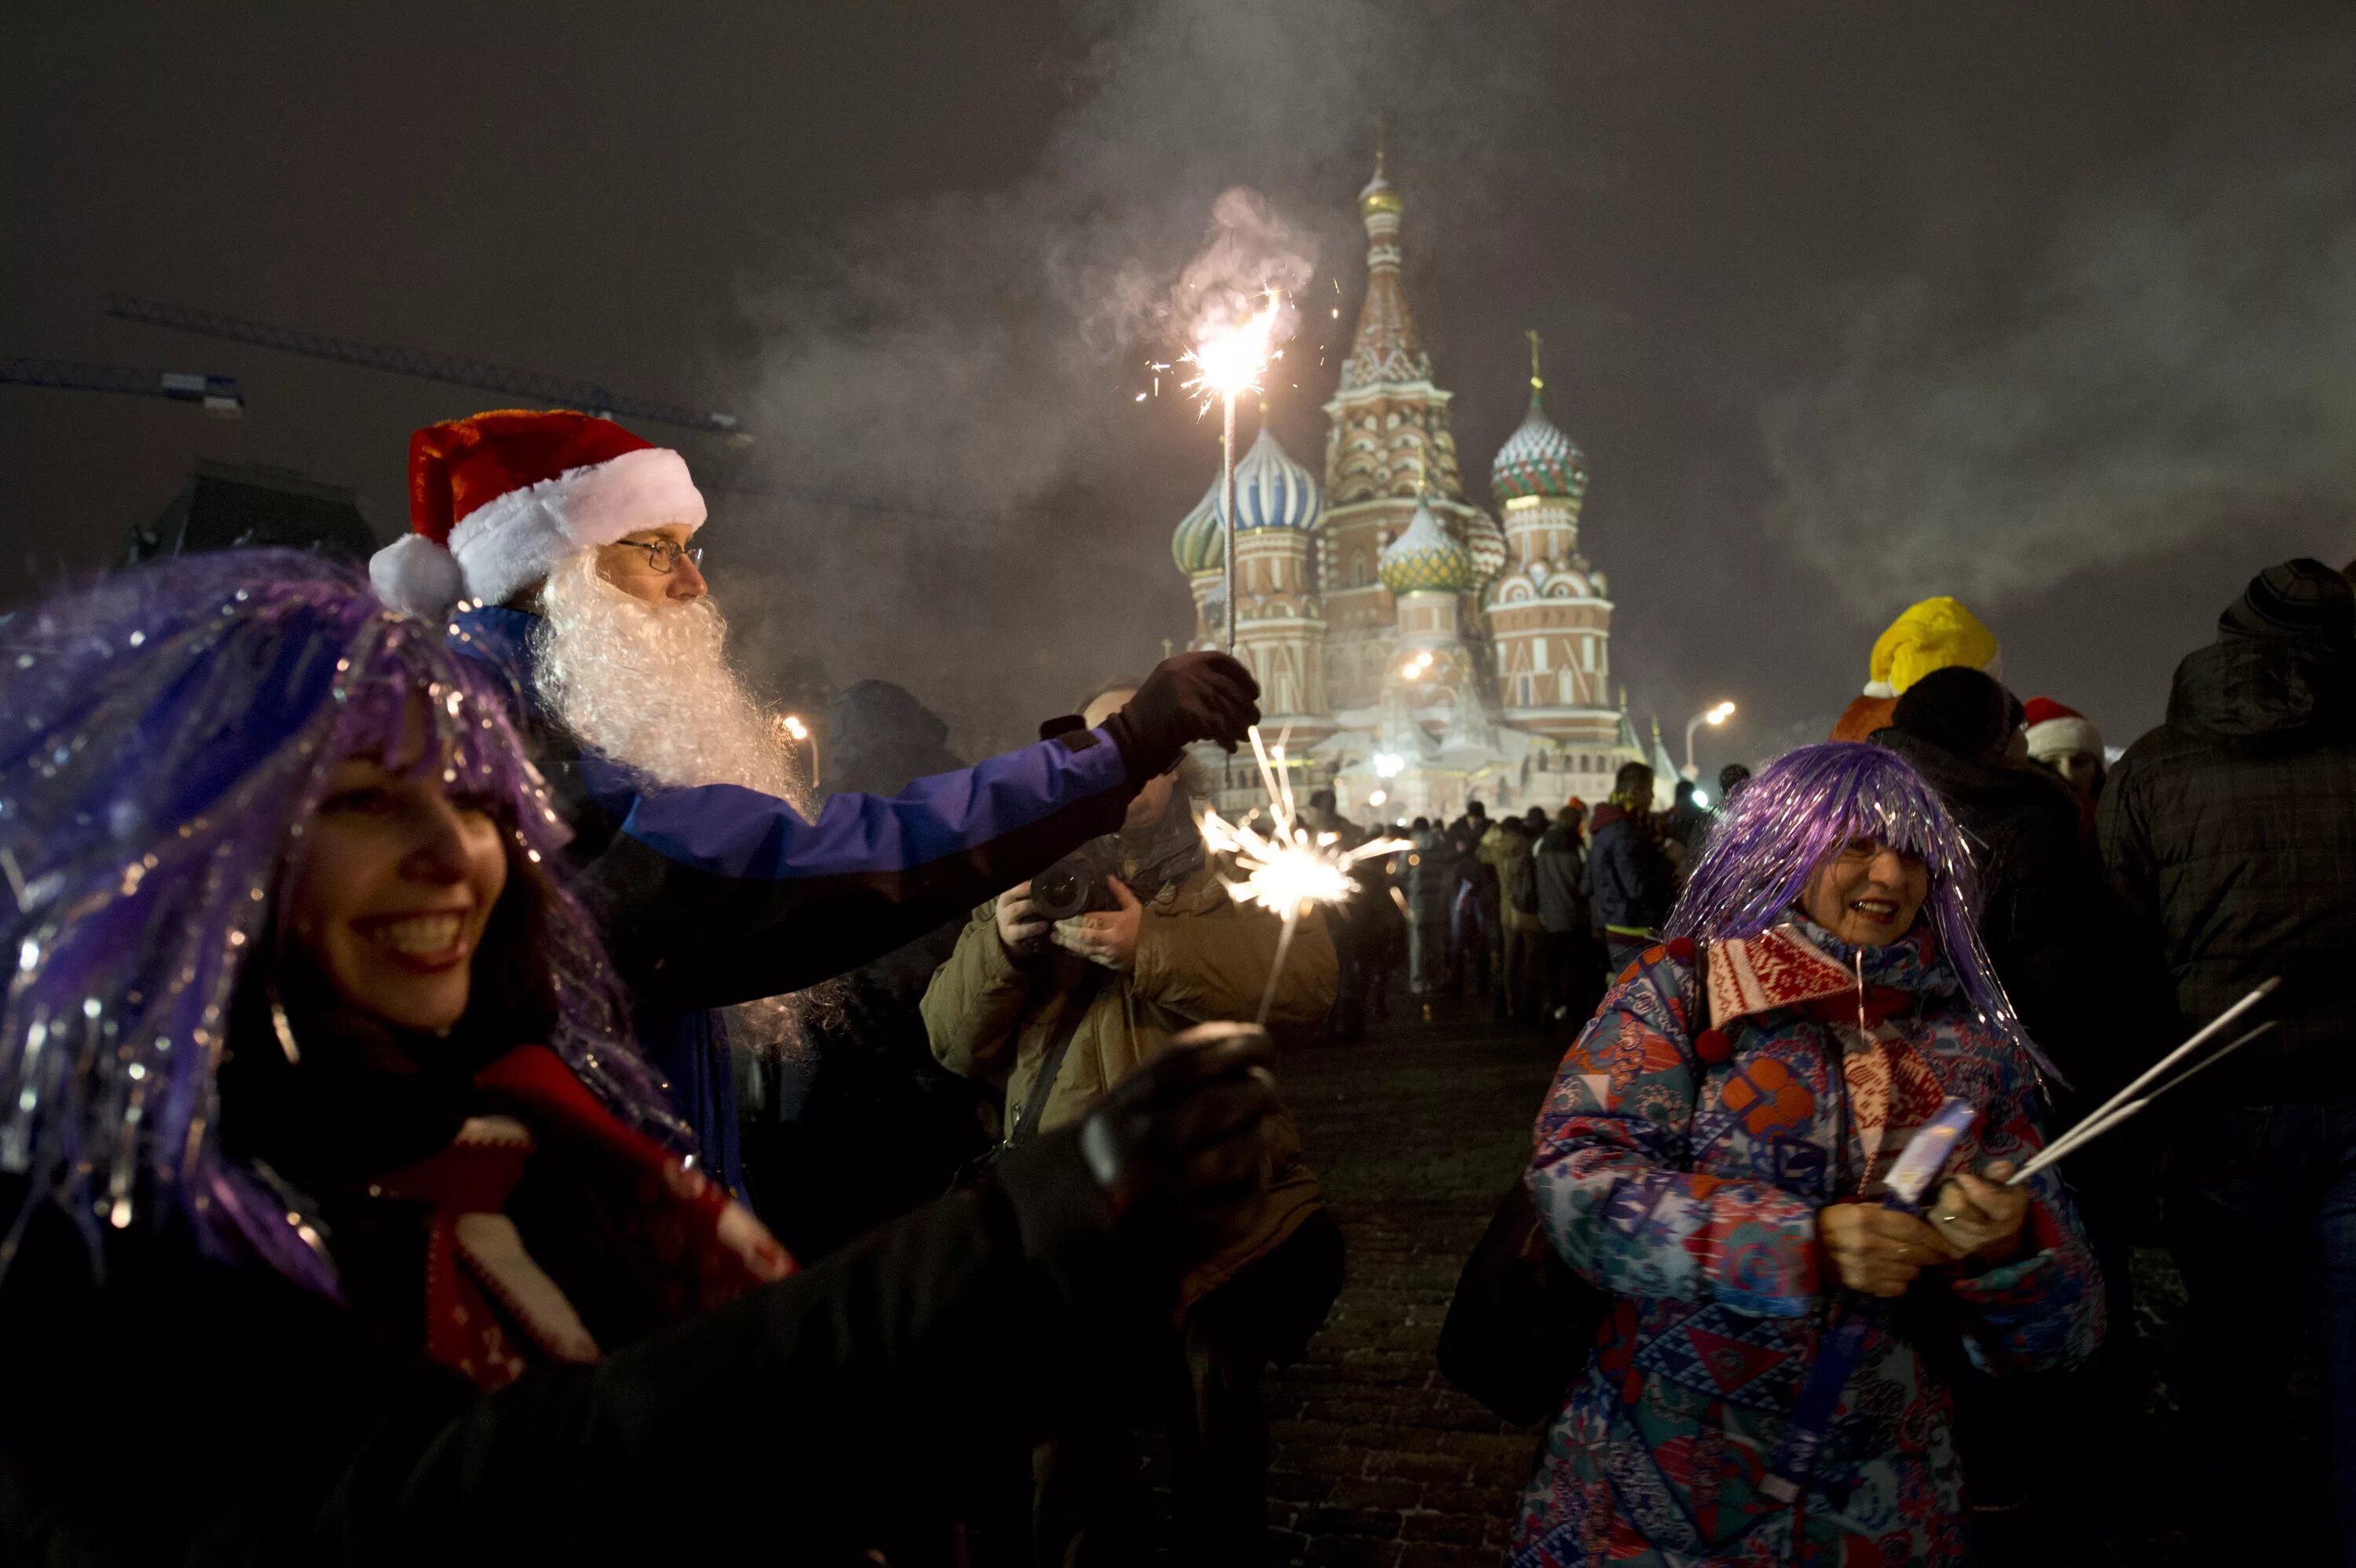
(498, 500)
(2056, 731)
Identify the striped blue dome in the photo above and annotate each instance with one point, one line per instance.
(1271, 490)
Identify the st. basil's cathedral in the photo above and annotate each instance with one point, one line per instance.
(1419, 654)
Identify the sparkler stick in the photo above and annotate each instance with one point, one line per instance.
(2087, 1131)
(2200, 1038)
(1229, 360)
(1286, 870)
(1227, 546)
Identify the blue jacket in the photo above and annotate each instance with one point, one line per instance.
(716, 895)
(1631, 878)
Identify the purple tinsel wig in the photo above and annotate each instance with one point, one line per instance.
(1801, 808)
(168, 734)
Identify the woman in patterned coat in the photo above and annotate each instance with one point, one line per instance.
(1714, 1154)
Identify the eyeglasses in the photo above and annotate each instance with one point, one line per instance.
(663, 556)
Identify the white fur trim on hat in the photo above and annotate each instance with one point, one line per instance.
(515, 540)
(2059, 737)
(416, 576)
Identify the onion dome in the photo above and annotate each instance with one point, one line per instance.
(1426, 555)
(1200, 544)
(1537, 459)
(1272, 491)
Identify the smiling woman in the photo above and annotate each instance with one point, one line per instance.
(1717, 1152)
(320, 1129)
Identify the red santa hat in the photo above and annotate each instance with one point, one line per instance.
(2055, 730)
(498, 500)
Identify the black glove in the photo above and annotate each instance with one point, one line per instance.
(1176, 1144)
(1189, 698)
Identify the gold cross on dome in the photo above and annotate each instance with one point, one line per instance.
(1537, 382)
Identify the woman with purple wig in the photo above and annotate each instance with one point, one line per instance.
(1716, 1154)
(334, 1223)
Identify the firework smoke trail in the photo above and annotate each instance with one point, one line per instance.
(1289, 869)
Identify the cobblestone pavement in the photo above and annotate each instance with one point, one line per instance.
(1415, 1133)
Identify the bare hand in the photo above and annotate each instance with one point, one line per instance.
(1878, 1251)
(1109, 939)
(1019, 925)
(1981, 1219)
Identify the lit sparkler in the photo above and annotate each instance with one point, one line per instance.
(1229, 358)
(1289, 868)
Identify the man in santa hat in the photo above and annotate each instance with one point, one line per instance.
(560, 548)
(2065, 742)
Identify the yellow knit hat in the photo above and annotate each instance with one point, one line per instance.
(1931, 635)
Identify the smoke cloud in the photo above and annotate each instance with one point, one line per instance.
(2183, 361)
(970, 362)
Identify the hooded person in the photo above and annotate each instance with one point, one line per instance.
(2231, 833)
(1933, 634)
(339, 1225)
(558, 548)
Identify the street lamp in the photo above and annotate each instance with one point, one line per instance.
(799, 733)
(1712, 717)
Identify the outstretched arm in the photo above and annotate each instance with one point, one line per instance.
(718, 894)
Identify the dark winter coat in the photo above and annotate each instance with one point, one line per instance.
(2046, 916)
(714, 895)
(190, 1410)
(2230, 831)
(1631, 878)
(1432, 873)
(1563, 892)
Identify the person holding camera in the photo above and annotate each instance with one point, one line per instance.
(1059, 990)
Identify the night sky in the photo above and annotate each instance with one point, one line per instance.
(2049, 306)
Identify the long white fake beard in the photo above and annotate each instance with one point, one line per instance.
(650, 686)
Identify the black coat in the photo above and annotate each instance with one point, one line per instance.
(2050, 926)
(2230, 831)
(184, 1410)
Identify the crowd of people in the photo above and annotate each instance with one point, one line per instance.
(399, 965)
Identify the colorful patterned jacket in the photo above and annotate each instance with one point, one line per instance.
(1680, 1167)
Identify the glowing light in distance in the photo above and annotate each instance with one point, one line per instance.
(1388, 764)
(1719, 714)
(1379, 796)
(795, 728)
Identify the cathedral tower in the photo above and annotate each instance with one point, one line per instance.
(1550, 618)
(1390, 451)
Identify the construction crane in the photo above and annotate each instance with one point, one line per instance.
(529, 386)
(219, 394)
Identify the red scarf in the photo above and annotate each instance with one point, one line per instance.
(492, 1312)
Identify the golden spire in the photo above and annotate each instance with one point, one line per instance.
(1378, 196)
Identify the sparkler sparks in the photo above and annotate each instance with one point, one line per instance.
(1229, 357)
(1289, 869)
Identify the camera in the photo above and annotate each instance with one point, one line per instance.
(1069, 888)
